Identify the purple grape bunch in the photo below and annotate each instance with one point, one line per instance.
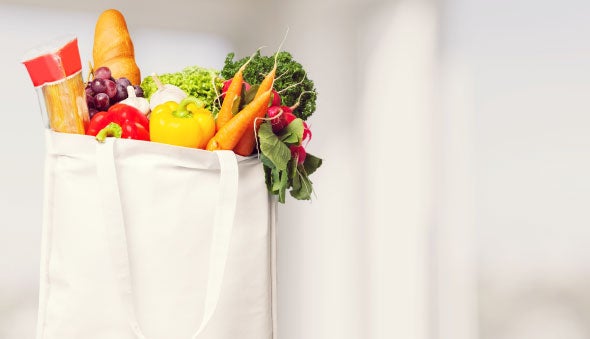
(103, 90)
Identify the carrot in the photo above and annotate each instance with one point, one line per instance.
(247, 142)
(228, 135)
(234, 91)
(267, 83)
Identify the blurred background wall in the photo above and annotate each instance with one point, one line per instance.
(524, 67)
(451, 203)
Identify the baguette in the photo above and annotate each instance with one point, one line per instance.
(113, 47)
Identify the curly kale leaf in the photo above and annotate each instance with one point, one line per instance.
(292, 81)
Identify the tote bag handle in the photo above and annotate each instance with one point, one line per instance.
(115, 229)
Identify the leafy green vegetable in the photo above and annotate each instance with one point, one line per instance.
(302, 187)
(293, 133)
(281, 170)
(203, 83)
(311, 164)
(272, 147)
(291, 82)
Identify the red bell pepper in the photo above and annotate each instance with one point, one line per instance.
(133, 123)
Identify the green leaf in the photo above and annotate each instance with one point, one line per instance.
(235, 108)
(311, 164)
(302, 186)
(266, 161)
(289, 138)
(276, 180)
(268, 178)
(295, 180)
(270, 145)
(283, 186)
(281, 170)
(293, 133)
(268, 167)
(292, 169)
(250, 94)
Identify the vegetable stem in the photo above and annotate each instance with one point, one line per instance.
(157, 81)
(182, 110)
(111, 130)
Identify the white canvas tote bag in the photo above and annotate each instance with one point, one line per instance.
(151, 241)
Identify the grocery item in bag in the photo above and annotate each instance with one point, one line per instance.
(113, 47)
(56, 73)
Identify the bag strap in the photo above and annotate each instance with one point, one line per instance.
(117, 239)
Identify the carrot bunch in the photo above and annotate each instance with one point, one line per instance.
(233, 131)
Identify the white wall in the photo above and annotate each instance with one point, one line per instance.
(525, 67)
(397, 54)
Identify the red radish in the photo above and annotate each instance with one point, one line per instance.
(306, 132)
(299, 153)
(275, 113)
(226, 84)
(280, 117)
(289, 116)
(276, 98)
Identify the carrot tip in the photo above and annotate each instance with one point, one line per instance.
(212, 145)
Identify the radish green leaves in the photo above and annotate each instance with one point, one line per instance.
(281, 166)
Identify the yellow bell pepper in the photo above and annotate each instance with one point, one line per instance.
(187, 123)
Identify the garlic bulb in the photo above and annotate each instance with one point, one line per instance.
(165, 93)
(140, 103)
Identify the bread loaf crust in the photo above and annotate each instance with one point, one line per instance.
(113, 46)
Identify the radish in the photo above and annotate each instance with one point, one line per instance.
(299, 153)
(275, 114)
(306, 132)
(226, 84)
(276, 98)
(280, 117)
(289, 116)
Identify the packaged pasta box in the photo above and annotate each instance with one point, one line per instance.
(56, 72)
